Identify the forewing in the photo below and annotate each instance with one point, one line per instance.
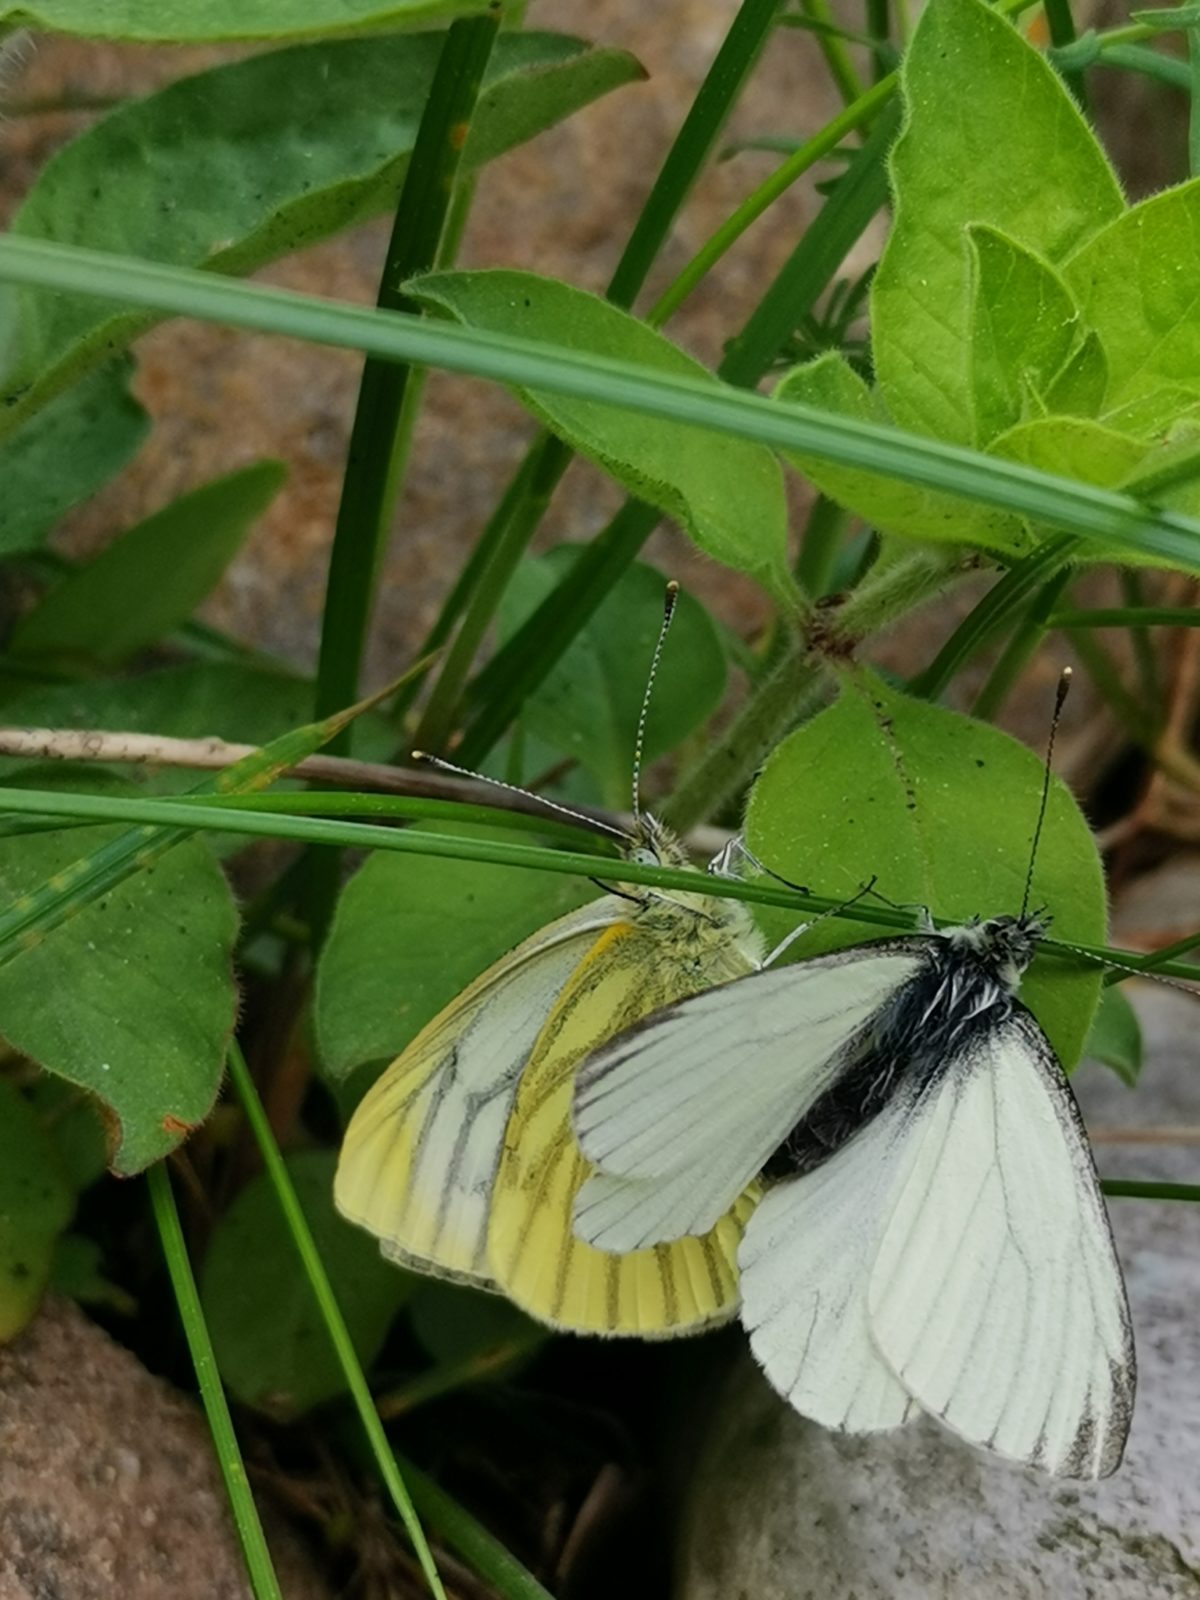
(996, 1295)
(421, 1152)
(534, 1256)
(691, 1103)
(805, 1264)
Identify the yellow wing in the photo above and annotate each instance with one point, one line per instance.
(419, 1158)
(534, 1257)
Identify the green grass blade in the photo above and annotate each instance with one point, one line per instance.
(216, 1408)
(331, 1313)
(219, 818)
(481, 1550)
(693, 145)
(374, 465)
(1114, 519)
(1136, 1189)
(1002, 602)
(1015, 656)
(1128, 617)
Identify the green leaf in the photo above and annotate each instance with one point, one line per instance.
(991, 136)
(1116, 1037)
(77, 1271)
(942, 809)
(188, 21)
(64, 453)
(243, 163)
(726, 493)
(456, 1325)
(169, 562)
(36, 1203)
(141, 982)
(272, 1346)
(408, 935)
(589, 705)
(1023, 329)
(887, 504)
(1135, 284)
(1078, 390)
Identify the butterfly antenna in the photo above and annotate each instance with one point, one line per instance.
(594, 823)
(639, 744)
(1064, 684)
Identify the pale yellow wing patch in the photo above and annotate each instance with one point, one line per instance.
(534, 1257)
(419, 1158)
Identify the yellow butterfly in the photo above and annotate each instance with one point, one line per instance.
(461, 1158)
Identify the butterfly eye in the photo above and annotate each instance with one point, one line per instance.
(644, 856)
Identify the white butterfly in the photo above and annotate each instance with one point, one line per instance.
(937, 1240)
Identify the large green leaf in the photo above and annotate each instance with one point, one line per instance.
(941, 808)
(990, 136)
(64, 453)
(408, 935)
(1116, 1037)
(131, 998)
(727, 493)
(243, 163)
(151, 579)
(36, 1203)
(187, 21)
(271, 1342)
(588, 707)
(1136, 284)
(893, 507)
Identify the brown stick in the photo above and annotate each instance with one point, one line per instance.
(212, 755)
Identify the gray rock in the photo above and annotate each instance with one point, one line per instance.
(783, 1510)
(108, 1482)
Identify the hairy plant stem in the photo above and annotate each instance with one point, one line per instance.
(797, 683)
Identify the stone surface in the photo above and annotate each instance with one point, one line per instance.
(108, 1482)
(782, 1510)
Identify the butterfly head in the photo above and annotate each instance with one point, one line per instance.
(653, 845)
(1006, 945)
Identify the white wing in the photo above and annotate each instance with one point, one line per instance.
(805, 1261)
(690, 1103)
(996, 1296)
(421, 1152)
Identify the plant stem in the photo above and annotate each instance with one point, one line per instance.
(837, 58)
(1138, 1189)
(250, 1534)
(1062, 33)
(794, 687)
(1029, 633)
(693, 145)
(1000, 603)
(378, 445)
(335, 1323)
(878, 29)
(726, 236)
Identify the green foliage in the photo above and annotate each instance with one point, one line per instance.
(457, 1326)
(411, 933)
(272, 1346)
(193, 21)
(64, 453)
(1018, 307)
(588, 707)
(941, 809)
(36, 1203)
(727, 494)
(132, 997)
(283, 149)
(1116, 1037)
(169, 562)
